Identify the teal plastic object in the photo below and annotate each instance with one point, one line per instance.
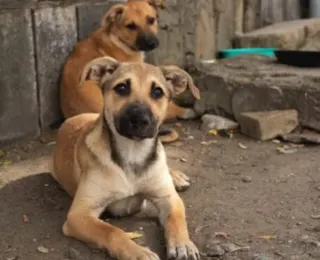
(241, 51)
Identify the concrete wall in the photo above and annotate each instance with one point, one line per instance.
(36, 37)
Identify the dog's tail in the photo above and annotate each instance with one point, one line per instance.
(168, 135)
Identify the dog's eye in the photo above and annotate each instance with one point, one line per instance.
(123, 89)
(150, 20)
(156, 92)
(132, 26)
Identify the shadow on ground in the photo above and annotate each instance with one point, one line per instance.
(33, 210)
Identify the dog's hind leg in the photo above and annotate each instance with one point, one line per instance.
(175, 111)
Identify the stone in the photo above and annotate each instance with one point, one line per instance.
(217, 123)
(251, 83)
(246, 179)
(215, 251)
(18, 94)
(55, 36)
(268, 125)
(284, 35)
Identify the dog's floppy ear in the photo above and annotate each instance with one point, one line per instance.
(113, 13)
(158, 4)
(98, 69)
(179, 80)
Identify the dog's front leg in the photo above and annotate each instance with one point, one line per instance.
(83, 224)
(172, 216)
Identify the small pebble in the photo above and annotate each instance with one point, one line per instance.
(215, 250)
(229, 247)
(316, 228)
(247, 179)
(42, 249)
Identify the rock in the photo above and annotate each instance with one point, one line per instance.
(229, 247)
(215, 250)
(247, 179)
(217, 123)
(268, 125)
(284, 35)
(42, 249)
(302, 138)
(251, 83)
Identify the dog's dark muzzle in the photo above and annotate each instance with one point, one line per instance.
(147, 42)
(136, 121)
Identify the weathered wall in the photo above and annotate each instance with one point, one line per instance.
(37, 35)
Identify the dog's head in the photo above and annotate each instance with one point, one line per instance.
(136, 95)
(134, 24)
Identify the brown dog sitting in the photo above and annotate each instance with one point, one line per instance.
(114, 160)
(126, 32)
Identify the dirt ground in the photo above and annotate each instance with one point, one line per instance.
(255, 203)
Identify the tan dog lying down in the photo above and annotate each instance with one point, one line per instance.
(114, 160)
(126, 32)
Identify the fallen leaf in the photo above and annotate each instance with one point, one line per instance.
(286, 150)
(267, 237)
(134, 235)
(25, 219)
(242, 146)
(213, 132)
(221, 234)
(209, 142)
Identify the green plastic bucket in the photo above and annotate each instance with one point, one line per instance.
(241, 51)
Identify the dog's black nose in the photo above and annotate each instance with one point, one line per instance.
(136, 121)
(139, 119)
(147, 42)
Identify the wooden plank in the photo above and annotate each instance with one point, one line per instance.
(239, 16)
(56, 34)
(187, 13)
(205, 44)
(23, 4)
(252, 14)
(266, 13)
(224, 10)
(170, 50)
(277, 11)
(89, 17)
(18, 89)
(292, 10)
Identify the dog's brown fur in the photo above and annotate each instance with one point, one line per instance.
(91, 163)
(116, 40)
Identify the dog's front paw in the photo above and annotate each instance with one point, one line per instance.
(138, 253)
(189, 113)
(180, 180)
(186, 251)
